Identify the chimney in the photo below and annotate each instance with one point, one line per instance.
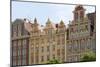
(24, 19)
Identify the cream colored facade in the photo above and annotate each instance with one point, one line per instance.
(47, 43)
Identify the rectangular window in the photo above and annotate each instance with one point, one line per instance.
(42, 49)
(53, 56)
(22, 29)
(53, 47)
(19, 30)
(42, 41)
(37, 49)
(16, 30)
(32, 58)
(48, 57)
(14, 53)
(58, 43)
(42, 58)
(63, 51)
(58, 52)
(48, 48)
(36, 58)
(24, 43)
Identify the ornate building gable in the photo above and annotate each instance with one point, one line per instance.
(61, 27)
(21, 27)
(79, 13)
(36, 27)
(79, 26)
(50, 27)
(28, 26)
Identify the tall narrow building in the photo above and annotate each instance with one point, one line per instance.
(20, 30)
(92, 22)
(80, 41)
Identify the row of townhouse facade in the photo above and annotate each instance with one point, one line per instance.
(34, 44)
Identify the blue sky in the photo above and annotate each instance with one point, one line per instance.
(43, 11)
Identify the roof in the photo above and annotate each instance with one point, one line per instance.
(50, 25)
(28, 26)
(79, 7)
